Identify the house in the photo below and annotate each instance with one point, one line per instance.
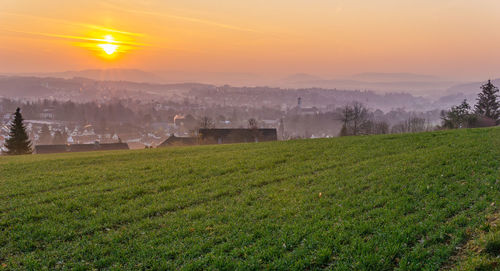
(304, 111)
(7, 117)
(179, 141)
(308, 111)
(136, 145)
(227, 136)
(47, 113)
(189, 122)
(222, 136)
(46, 149)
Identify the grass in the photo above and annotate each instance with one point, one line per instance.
(482, 252)
(406, 202)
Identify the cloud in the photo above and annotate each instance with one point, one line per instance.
(80, 24)
(184, 18)
(112, 30)
(77, 38)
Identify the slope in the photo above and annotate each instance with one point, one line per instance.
(407, 202)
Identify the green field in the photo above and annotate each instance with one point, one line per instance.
(408, 202)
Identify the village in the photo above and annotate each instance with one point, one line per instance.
(56, 126)
(49, 135)
(54, 137)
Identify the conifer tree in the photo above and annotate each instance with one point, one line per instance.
(488, 104)
(460, 116)
(18, 141)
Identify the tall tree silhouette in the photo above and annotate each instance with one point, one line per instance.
(488, 104)
(206, 123)
(252, 124)
(354, 118)
(18, 142)
(460, 116)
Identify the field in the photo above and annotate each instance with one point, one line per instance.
(407, 202)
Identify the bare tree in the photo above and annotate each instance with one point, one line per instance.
(381, 127)
(252, 123)
(416, 125)
(375, 127)
(354, 118)
(411, 125)
(206, 123)
(346, 120)
(359, 116)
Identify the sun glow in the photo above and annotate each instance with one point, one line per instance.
(109, 48)
(103, 44)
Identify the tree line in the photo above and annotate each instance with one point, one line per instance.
(358, 120)
(486, 112)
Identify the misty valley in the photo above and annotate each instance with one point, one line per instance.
(83, 111)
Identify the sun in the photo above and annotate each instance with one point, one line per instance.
(109, 45)
(109, 48)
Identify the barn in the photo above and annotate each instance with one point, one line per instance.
(47, 149)
(228, 136)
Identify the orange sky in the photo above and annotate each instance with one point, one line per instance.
(457, 38)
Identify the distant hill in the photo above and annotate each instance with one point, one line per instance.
(33, 87)
(385, 77)
(320, 93)
(430, 88)
(131, 75)
(82, 88)
(301, 77)
(417, 84)
(216, 78)
(390, 202)
(470, 88)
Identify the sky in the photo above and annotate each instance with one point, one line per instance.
(332, 38)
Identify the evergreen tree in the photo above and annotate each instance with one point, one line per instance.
(459, 116)
(488, 104)
(18, 142)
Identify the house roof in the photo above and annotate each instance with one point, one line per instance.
(264, 132)
(45, 149)
(212, 136)
(179, 141)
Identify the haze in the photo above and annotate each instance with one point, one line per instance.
(448, 38)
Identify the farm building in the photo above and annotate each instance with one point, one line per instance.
(227, 136)
(46, 149)
(223, 136)
(179, 141)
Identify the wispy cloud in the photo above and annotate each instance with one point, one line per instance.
(111, 30)
(71, 23)
(76, 38)
(184, 18)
